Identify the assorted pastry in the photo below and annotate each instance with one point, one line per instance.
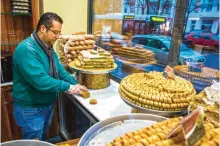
(94, 59)
(156, 135)
(137, 54)
(204, 77)
(93, 101)
(153, 91)
(85, 94)
(210, 108)
(70, 46)
(112, 39)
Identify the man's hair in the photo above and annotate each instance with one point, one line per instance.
(47, 20)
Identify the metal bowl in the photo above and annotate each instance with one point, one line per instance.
(26, 143)
(108, 128)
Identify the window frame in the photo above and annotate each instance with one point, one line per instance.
(209, 7)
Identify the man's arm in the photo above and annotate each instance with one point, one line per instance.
(34, 73)
(64, 75)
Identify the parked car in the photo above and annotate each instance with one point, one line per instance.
(208, 40)
(196, 31)
(161, 46)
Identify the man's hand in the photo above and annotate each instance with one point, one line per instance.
(76, 89)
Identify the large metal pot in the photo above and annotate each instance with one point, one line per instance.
(94, 81)
(26, 143)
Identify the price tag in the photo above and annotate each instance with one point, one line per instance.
(169, 72)
(191, 128)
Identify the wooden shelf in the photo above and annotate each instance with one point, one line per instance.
(3, 56)
(21, 1)
(13, 44)
(16, 13)
(16, 26)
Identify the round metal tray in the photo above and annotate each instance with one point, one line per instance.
(92, 71)
(26, 142)
(156, 112)
(111, 128)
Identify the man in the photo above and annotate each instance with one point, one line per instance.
(38, 76)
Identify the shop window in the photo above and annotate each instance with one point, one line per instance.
(207, 21)
(198, 3)
(131, 22)
(193, 23)
(209, 8)
(125, 10)
(207, 25)
(136, 31)
(142, 28)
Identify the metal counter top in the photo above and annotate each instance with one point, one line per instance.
(109, 102)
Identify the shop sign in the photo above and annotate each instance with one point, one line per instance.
(128, 17)
(194, 18)
(156, 19)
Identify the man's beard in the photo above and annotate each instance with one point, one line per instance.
(51, 43)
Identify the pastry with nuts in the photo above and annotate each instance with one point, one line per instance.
(153, 91)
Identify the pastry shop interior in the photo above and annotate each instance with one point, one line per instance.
(148, 82)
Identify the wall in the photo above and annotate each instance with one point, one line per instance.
(73, 13)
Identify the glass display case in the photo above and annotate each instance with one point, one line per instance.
(139, 33)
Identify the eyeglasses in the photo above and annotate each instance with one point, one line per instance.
(56, 32)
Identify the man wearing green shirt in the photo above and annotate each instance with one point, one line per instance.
(38, 76)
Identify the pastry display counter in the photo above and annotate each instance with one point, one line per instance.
(94, 67)
(153, 92)
(109, 104)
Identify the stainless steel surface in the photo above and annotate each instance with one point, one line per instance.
(26, 143)
(7, 84)
(62, 129)
(93, 71)
(156, 112)
(117, 120)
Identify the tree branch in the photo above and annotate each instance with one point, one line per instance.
(164, 6)
(196, 7)
(149, 4)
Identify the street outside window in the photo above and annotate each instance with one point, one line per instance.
(148, 24)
